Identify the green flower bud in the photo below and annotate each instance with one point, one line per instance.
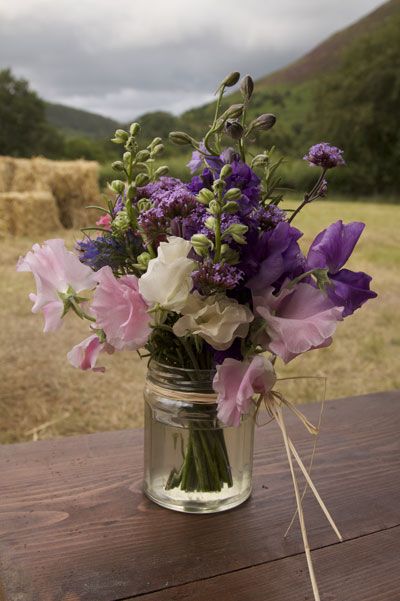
(121, 222)
(134, 129)
(117, 186)
(142, 156)
(219, 184)
(230, 207)
(226, 171)
(121, 133)
(163, 170)
(158, 149)
(143, 204)
(259, 160)
(233, 194)
(229, 255)
(142, 179)
(230, 80)
(143, 261)
(117, 166)
(205, 196)
(263, 122)
(155, 143)
(247, 87)
(237, 231)
(180, 138)
(127, 157)
(210, 223)
(201, 244)
(214, 208)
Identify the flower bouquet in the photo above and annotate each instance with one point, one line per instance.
(206, 278)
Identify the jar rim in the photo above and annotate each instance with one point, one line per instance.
(181, 378)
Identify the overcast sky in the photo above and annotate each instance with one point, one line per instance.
(122, 58)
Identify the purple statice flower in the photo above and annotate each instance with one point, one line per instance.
(211, 276)
(154, 224)
(268, 217)
(330, 250)
(154, 189)
(324, 155)
(178, 202)
(273, 257)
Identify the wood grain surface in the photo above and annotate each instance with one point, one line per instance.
(74, 525)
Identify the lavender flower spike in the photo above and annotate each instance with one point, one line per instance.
(324, 155)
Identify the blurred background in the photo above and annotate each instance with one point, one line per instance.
(72, 72)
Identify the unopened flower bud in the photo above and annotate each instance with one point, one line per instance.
(263, 122)
(117, 186)
(210, 223)
(233, 112)
(230, 207)
(143, 204)
(247, 87)
(142, 179)
(214, 208)
(143, 261)
(121, 222)
(205, 196)
(157, 150)
(230, 80)
(180, 138)
(234, 129)
(201, 244)
(142, 155)
(131, 191)
(226, 171)
(218, 184)
(237, 231)
(233, 194)
(121, 133)
(117, 166)
(163, 170)
(134, 129)
(155, 142)
(259, 160)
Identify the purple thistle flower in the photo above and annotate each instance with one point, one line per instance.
(211, 276)
(324, 155)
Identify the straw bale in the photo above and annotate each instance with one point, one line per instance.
(74, 184)
(28, 213)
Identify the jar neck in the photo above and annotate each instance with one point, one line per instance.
(179, 378)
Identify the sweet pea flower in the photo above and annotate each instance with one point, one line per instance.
(297, 319)
(167, 281)
(236, 382)
(330, 250)
(85, 354)
(57, 271)
(105, 221)
(120, 310)
(216, 319)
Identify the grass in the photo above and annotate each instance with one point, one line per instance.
(41, 396)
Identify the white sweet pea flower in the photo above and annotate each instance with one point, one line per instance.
(216, 319)
(167, 281)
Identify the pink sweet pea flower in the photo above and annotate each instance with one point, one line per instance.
(56, 270)
(85, 354)
(237, 382)
(298, 319)
(105, 221)
(120, 310)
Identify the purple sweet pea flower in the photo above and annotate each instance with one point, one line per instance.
(331, 250)
(324, 155)
(274, 257)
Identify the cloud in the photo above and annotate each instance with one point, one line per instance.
(123, 58)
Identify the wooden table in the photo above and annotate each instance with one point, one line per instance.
(75, 526)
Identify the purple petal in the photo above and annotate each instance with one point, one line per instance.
(350, 290)
(333, 246)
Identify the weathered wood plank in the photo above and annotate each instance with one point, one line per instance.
(363, 569)
(74, 524)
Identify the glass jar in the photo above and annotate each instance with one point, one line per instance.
(193, 462)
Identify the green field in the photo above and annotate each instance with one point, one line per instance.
(41, 396)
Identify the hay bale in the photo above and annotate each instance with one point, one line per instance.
(28, 213)
(74, 184)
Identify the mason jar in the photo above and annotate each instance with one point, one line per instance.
(192, 461)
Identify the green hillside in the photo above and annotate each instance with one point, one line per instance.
(72, 121)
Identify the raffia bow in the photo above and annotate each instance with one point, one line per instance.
(274, 402)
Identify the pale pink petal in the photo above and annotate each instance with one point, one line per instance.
(120, 310)
(52, 316)
(85, 354)
(298, 319)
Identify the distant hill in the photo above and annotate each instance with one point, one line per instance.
(326, 56)
(72, 121)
